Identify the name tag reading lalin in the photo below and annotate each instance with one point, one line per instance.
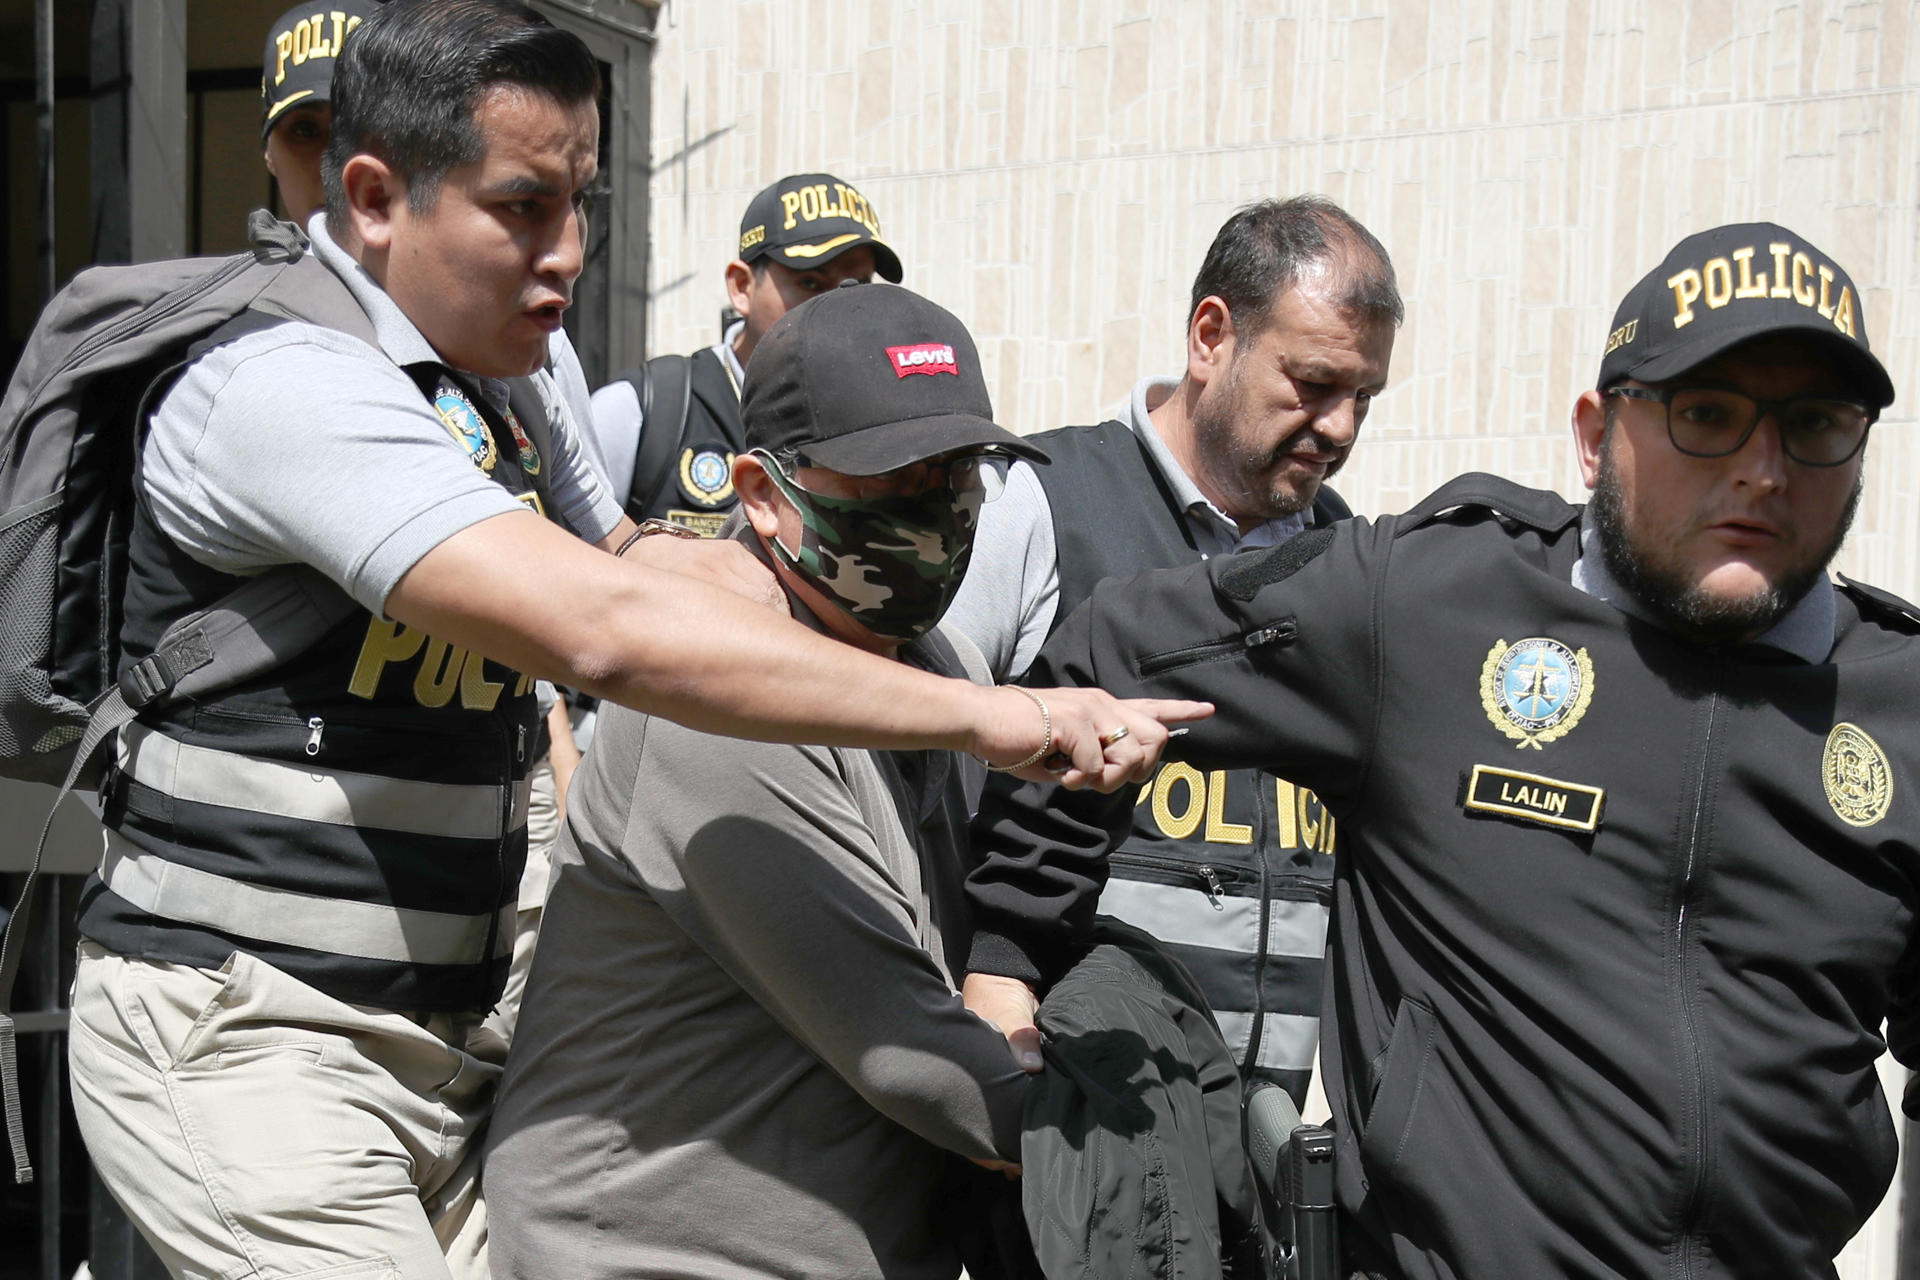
(1570, 806)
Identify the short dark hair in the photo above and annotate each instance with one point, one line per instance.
(1264, 249)
(407, 85)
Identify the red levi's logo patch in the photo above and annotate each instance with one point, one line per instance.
(923, 357)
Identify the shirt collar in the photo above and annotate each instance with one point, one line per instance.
(404, 344)
(1806, 632)
(1192, 501)
(729, 358)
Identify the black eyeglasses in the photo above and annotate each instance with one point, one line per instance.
(1712, 422)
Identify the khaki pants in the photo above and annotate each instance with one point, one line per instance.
(252, 1126)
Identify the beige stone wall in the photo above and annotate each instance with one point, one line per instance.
(1052, 170)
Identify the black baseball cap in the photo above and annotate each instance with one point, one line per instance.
(302, 43)
(1721, 287)
(866, 379)
(806, 220)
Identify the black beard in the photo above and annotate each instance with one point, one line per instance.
(1233, 467)
(1683, 606)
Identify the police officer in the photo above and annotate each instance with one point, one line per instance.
(303, 908)
(1289, 334)
(1631, 858)
(800, 237)
(296, 97)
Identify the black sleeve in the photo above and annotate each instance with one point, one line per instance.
(1280, 641)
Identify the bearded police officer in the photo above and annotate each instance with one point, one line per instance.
(670, 429)
(305, 901)
(745, 992)
(1289, 333)
(1631, 841)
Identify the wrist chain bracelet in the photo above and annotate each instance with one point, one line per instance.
(654, 524)
(1046, 734)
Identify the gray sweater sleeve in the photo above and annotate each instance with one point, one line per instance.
(1007, 603)
(779, 876)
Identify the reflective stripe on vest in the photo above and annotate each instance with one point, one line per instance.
(1288, 1041)
(367, 930)
(1186, 917)
(203, 775)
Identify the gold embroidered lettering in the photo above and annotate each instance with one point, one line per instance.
(477, 693)
(1219, 830)
(1283, 807)
(439, 674)
(1781, 289)
(1719, 282)
(1178, 826)
(386, 641)
(1843, 313)
(1686, 288)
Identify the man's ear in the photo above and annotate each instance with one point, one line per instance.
(739, 286)
(758, 498)
(374, 193)
(1210, 340)
(1590, 433)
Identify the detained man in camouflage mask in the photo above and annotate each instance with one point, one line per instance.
(709, 889)
(870, 448)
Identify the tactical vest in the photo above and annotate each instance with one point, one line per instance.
(692, 483)
(1232, 869)
(356, 817)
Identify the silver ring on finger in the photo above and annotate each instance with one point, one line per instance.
(1108, 739)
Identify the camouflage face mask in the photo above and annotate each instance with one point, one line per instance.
(892, 564)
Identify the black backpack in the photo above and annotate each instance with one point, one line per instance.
(71, 426)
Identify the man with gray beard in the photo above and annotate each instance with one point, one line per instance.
(1289, 333)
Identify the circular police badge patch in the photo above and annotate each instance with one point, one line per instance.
(468, 430)
(1855, 772)
(706, 475)
(1535, 690)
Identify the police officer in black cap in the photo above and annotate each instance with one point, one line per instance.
(296, 96)
(670, 429)
(1630, 867)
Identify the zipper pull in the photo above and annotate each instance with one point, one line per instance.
(315, 727)
(1269, 635)
(1213, 887)
(520, 743)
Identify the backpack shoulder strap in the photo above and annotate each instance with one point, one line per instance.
(665, 385)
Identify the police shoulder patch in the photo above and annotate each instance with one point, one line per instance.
(706, 476)
(1535, 690)
(468, 429)
(1857, 776)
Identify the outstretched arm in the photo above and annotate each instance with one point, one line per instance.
(526, 594)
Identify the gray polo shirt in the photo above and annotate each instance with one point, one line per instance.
(301, 445)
